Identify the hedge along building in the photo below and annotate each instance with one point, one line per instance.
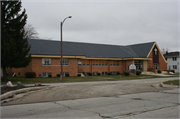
(90, 58)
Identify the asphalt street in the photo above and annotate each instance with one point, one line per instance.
(161, 104)
(98, 100)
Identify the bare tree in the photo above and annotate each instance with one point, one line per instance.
(165, 50)
(30, 32)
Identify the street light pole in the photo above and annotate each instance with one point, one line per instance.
(62, 49)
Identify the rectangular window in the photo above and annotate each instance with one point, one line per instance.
(99, 63)
(65, 73)
(156, 65)
(114, 63)
(65, 62)
(83, 63)
(104, 73)
(174, 58)
(174, 66)
(46, 61)
(46, 74)
(114, 73)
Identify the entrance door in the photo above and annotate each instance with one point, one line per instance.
(139, 65)
(132, 71)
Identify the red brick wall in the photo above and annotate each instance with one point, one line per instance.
(162, 63)
(36, 66)
(73, 68)
(126, 64)
(22, 71)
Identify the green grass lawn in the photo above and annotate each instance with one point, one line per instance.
(173, 82)
(14, 80)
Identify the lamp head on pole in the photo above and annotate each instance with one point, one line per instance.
(70, 17)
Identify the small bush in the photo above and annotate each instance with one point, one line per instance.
(30, 75)
(159, 71)
(126, 73)
(98, 74)
(90, 74)
(79, 75)
(118, 73)
(58, 75)
(138, 72)
(109, 73)
(67, 75)
(49, 75)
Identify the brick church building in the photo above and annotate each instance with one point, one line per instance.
(90, 58)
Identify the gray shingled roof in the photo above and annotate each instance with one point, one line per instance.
(172, 54)
(50, 47)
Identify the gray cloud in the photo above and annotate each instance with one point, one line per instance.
(119, 23)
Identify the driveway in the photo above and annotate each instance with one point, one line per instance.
(84, 90)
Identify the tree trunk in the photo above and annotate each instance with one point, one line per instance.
(4, 74)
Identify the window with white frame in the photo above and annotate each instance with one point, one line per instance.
(174, 66)
(45, 74)
(65, 62)
(46, 61)
(174, 58)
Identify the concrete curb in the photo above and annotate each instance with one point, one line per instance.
(24, 90)
(168, 86)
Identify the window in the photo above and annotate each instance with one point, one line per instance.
(104, 73)
(114, 73)
(83, 63)
(99, 63)
(155, 51)
(46, 61)
(46, 74)
(114, 63)
(174, 58)
(65, 62)
(174, 66)
(64, 73)
(156, 65)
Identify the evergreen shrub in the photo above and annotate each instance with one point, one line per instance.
(126, 73)
(138, 72)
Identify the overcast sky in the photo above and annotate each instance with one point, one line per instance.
(112, 22)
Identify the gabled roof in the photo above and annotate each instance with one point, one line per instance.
(50, 47)
(172, 54)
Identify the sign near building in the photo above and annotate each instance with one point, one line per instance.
(132, 66)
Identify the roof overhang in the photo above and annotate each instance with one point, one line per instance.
(137, 58)
(84, 57)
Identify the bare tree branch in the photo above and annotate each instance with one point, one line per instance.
(30, 32)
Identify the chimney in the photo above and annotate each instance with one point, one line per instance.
(166, 52)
